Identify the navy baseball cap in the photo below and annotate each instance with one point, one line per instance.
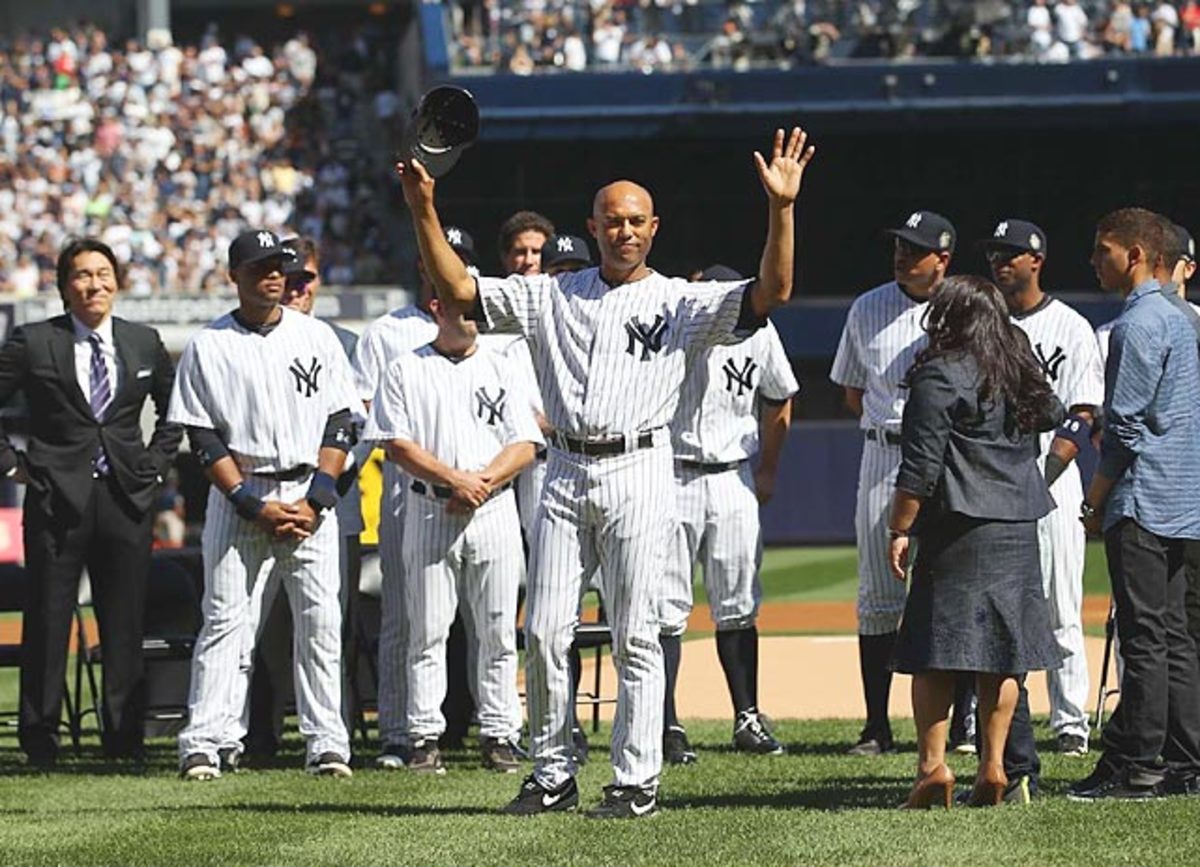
(564, 249)
(293, 263)
(1016, 235)
(1185, 245)
(719, 273)
(927, 230)
(461, 242)
(255, 245)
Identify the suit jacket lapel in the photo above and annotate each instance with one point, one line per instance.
(62, 349)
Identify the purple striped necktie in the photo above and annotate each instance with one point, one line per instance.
(101, 396)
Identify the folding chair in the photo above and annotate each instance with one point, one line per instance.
(14, 581)
(171, 622)
(1105, 693)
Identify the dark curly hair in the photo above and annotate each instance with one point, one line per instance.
(967, 316)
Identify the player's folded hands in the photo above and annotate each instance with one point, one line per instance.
(471, 488)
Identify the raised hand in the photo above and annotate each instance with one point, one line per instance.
(417, 184)
(782, 176)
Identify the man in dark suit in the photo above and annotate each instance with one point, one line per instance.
(91, 482)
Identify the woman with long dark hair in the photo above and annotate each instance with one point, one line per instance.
(969, 487)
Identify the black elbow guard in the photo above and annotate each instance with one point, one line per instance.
(339, 431)
(207, 445)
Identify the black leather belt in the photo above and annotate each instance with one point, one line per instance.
(892, 439)
(443, 492)
(599, 448)
(295, 474)
(710, 469)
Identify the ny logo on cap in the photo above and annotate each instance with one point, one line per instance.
(1002, 230)
(565, 245)
(266, 239)
(914, 220)
(454, 236)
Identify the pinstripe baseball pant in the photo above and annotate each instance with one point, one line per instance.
(880, 596)
(615, 513)
(243, 567)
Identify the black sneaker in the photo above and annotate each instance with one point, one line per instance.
(330, 765)
(749, 736)
(579, 744)
(1071, 745)
(425, 758)
(393, 757)
(676, 749)
(1018, 791)
(870, 744)
(199, 767)
(1116, 786)
(534, 799)
(230, 760)
(625, 802)
(499, 756)
(1180, 783)
(1101, 775)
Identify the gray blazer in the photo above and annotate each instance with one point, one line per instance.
(966, 455)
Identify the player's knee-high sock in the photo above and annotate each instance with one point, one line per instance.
(738, 651)
(874, 657)
(672, 651)
(576, 663)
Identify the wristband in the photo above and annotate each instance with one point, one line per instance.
(1077, 430)
(322, 492)
(247, 506)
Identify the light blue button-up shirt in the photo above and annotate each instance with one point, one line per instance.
(1151, 443)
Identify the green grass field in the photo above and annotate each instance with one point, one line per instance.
(813, 805)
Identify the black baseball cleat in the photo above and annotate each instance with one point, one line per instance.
(425, 758)
(330, 765)
(499, 756)
(625, 802)
(198, 767)
(676, 749)
(229, 759)
(534, 798)
(749, 736)
(393, 757)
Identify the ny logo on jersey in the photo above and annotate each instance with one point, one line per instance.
(743, 378)
(306, 377)
(1051, 365)
(650, 337)
(493, 406)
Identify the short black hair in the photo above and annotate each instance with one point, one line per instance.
(78, 246)
(1137, 227)
(521, 221)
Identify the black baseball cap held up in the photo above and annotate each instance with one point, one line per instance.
(1013, 234)
(445, 124)
(255, 245)
(927, 230)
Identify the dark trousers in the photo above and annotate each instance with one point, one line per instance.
(1020, 750)
(113, 541)
(1159, 711)
(271, 684)
(1191, 565)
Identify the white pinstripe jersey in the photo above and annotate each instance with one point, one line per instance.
(883, 333)
(717, 418)
(463, 411)
(1104, 332)
(402, 330)
(611, 360)
(1066, 349)
(267, 396)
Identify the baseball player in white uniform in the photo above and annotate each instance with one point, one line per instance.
(884, 331)
(267, 398)
(609, 346)
(714, 435)
(457, 421)
(383, 341)
(1064, 345)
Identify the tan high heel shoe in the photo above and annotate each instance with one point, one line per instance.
(935, 789)
(989, 788)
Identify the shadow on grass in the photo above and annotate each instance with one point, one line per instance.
(384, 811)
(844, 793)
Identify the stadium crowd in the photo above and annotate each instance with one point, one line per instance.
(654, 35)
(164, 150)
